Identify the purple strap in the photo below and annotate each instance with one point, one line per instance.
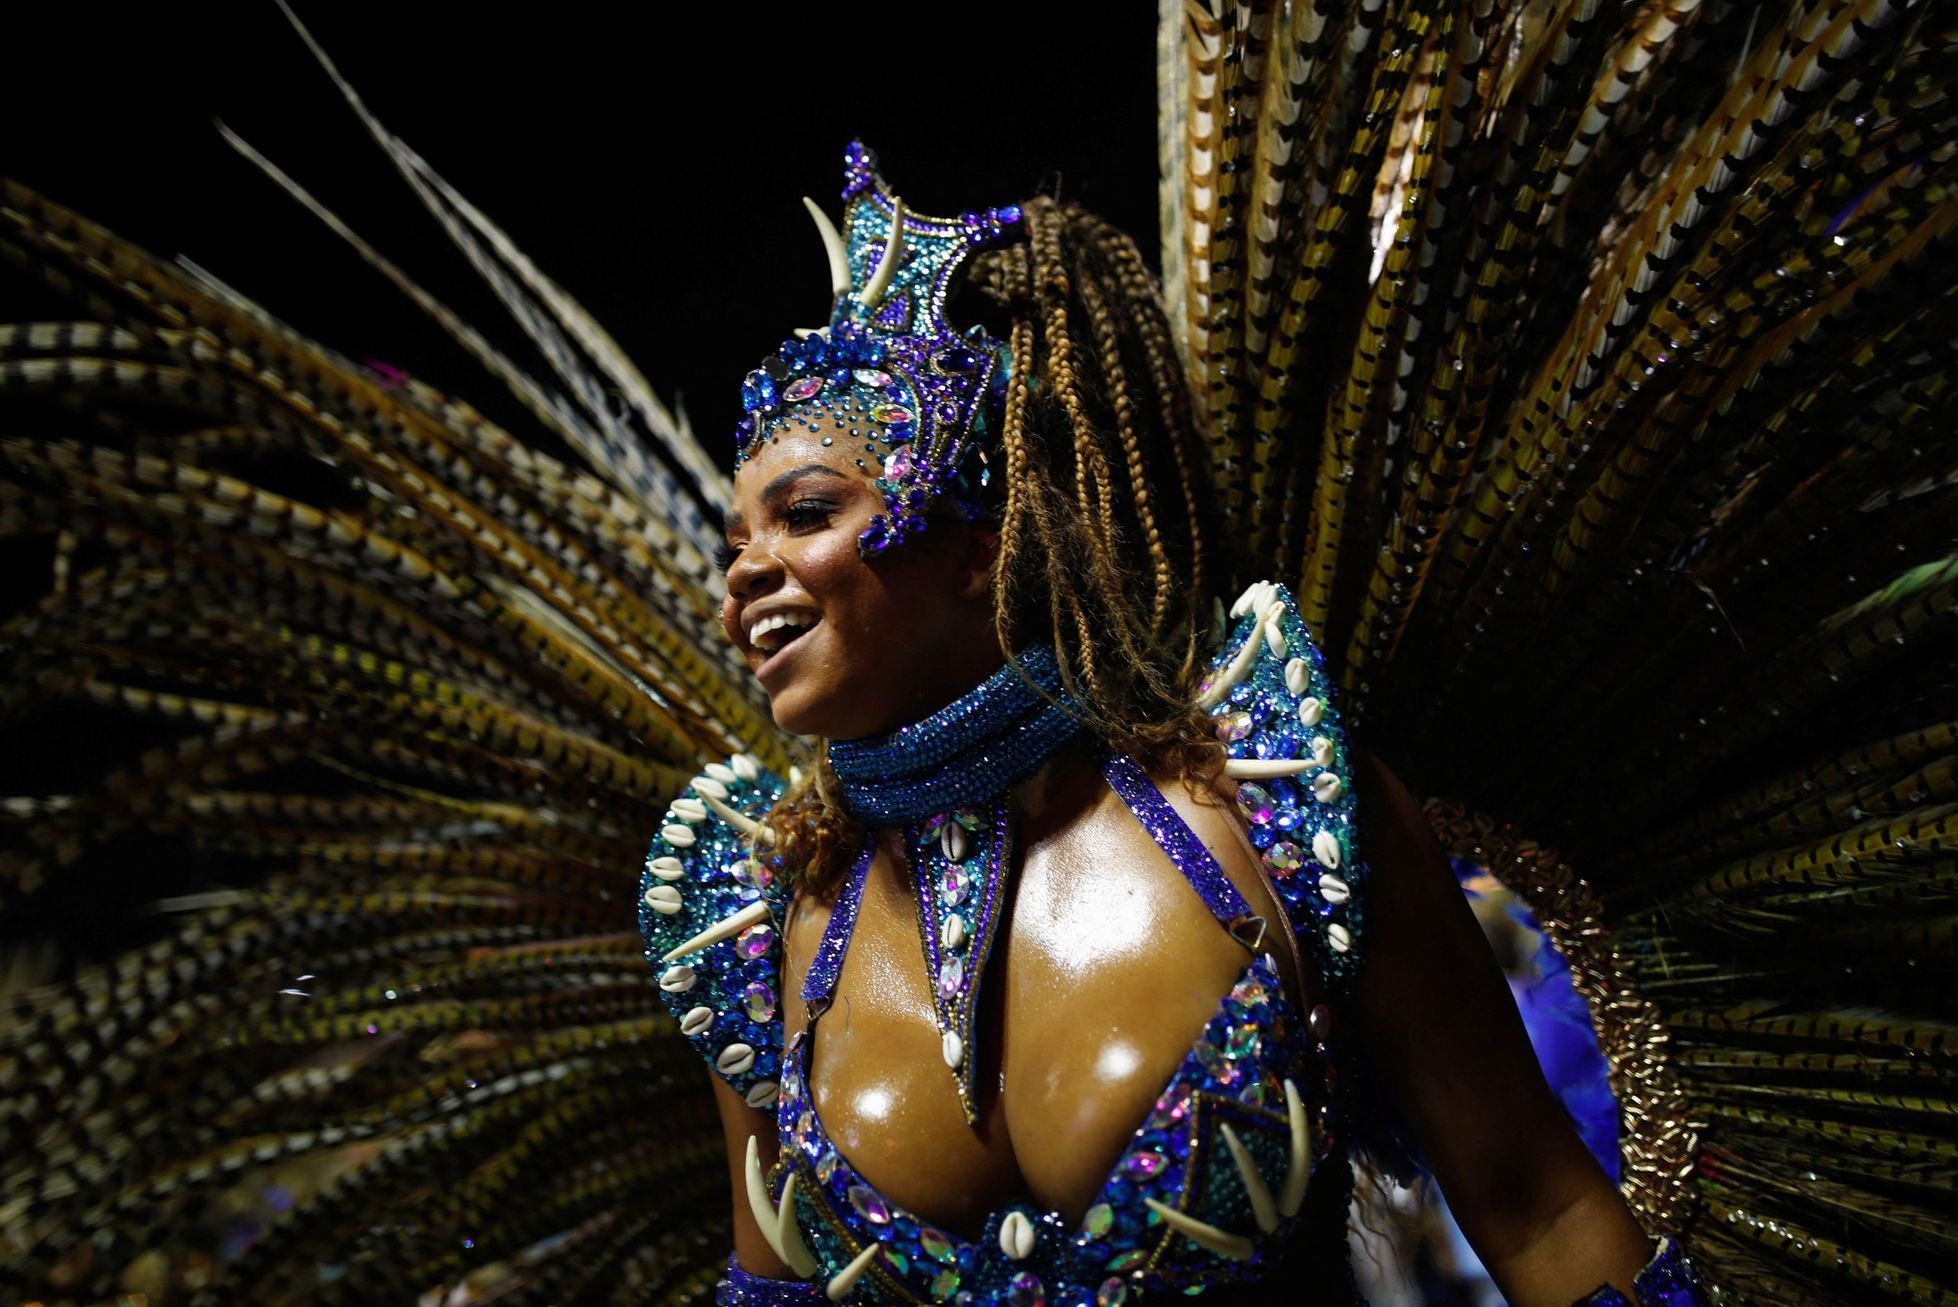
(819, 986)
(742, 1288)
(1668, 1280)
(1189, 853)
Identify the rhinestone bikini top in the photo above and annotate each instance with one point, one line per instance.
(1217, 1183)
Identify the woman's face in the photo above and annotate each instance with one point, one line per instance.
(846, 647)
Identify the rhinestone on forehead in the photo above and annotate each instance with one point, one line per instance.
(889, 371)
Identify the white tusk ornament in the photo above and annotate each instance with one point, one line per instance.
(880, 281)
(839, 257)
(1262, 1208)
(846, 1279)
(1264, 769)
(1203, 1234)
(1292, 1196)
(727, 927)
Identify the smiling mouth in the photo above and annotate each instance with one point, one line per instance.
(773, 635)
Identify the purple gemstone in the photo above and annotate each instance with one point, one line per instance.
(1145, 1165)
(807, 388)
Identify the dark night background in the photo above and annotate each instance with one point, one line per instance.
(649, 158)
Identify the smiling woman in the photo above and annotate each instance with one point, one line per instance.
(945, 560)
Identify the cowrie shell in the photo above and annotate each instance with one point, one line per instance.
(1322, 750)
(696, 1021)
(721, 772)
(1016, 1235)
(955, 931)
(676, 979)
(1339, 937)
(1297, 676)
(764, 1094)
(689, 810)
(1325, 848)
(666, 868)
(1334, 889)
(745, 768)
(953, 842)
(707, 785)
(1326, 787)
(680, 837)
(953, 1048)
(1311, 711)
(663, 899)
(735, 1059)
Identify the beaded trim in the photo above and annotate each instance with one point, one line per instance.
(1184, 847)
(743, 1288)
(981, 745)
(1668, 1280)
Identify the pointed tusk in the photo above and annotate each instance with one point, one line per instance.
(1263, 769)
(741, 821)
(727, 927)
(839, 257)
(846, 1279)
(1231, 675)
(1234, 1246)
(758, 1202)
(1262, 1207)
(788, 1243)
(1293, 1194)
(880, 281)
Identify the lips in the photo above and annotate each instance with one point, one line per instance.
(783, 651)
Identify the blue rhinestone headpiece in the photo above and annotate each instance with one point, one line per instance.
(889, 368)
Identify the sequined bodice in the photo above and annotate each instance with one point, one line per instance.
(1239, 1162)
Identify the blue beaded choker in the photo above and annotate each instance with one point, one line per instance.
(984, 743)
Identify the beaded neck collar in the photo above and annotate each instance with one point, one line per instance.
(979, 746)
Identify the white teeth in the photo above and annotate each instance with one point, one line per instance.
(767, 626)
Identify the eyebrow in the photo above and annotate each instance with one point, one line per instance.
(733, 521)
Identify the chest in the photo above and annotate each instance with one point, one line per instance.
(1105, 967)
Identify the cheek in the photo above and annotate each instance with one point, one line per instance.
(728, 607)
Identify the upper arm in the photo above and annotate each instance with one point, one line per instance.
(1442, 1031)
(739, 1123)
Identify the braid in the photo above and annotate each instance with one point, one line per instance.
(1083, 562)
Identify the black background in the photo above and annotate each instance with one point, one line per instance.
(648, 157)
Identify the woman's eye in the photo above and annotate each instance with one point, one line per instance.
(807, 514)
(724, 556)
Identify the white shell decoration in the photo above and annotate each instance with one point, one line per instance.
(709, 786)
(676, 979)
(735, 1059)
(1297, 676)
(1334, 889)
(1016, 1235)
(1325, 848)
(1311, 711)
(1253, 600)
(666, 868)
(689, 810)
(763, 1094)
(680, 837)
(696, 1021)
(1326, 787)
(954, 842)
(745, 768)
(953, 1048)
(1322, 750)
(795, 774)
(663, 899)
(721, 772)
(1339, 937)
(955, 931)
(1275, 638)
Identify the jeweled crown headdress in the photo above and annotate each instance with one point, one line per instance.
(889, 368)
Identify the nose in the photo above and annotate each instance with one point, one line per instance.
(754, 572)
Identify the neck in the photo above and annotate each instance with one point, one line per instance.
(985, 742)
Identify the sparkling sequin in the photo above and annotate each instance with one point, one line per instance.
(951, 976)
(875, 378)
(945, 1284)
(937, 1244)
(1254, 803)
(797, 391)
(758, 1000)
(1113, 1293)
(1232, 727)
(889, 413)
(1241, 1042)
(754, 942)
(1100, 1219)
(954, 885)
(1026, 1290)
(869, 1206)
(1146, 1165)
(1284, 858)
(1132, 1258)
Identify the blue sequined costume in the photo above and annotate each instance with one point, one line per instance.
(1219, 1146)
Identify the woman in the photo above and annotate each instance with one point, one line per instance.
(952, 559)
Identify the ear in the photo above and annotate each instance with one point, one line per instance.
(977, 559)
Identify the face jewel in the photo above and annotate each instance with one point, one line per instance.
(954, 885)
(1145, 1165)
(1113, 1293)
(875, 378)
(1026, 1290)
(1284, 858)
(1234, 726)
(1254, 803)
(945, 1284)
(754, 942)
(869, 1206)
(807, 388)
(898, 466)
(889, 413)
(759, 1002)
(1099, 1221)
(936, 1243)
(951, 975)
